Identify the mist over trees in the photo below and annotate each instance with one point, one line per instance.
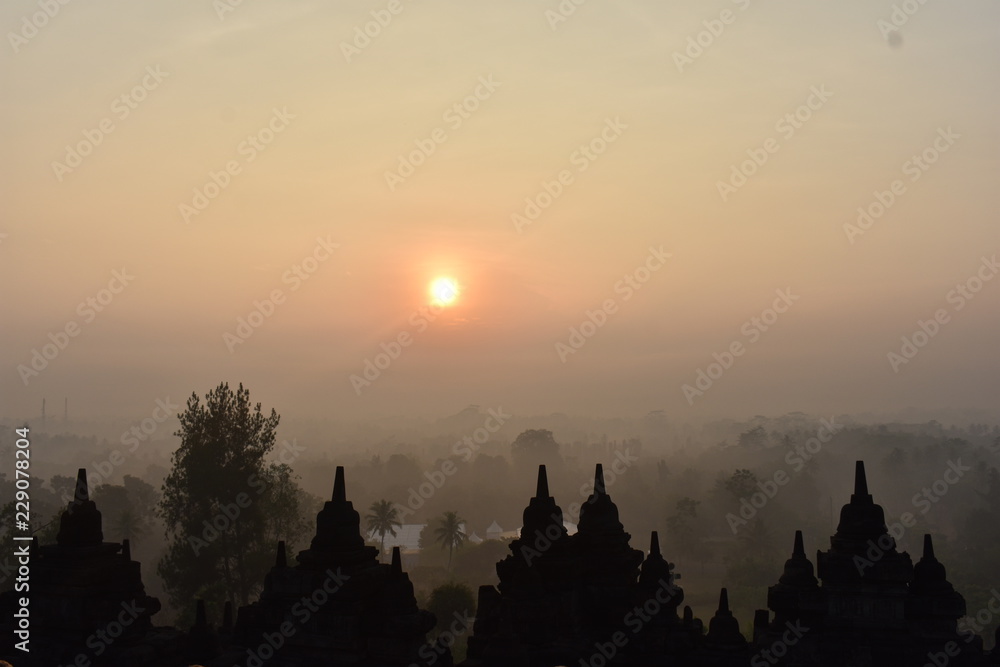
(725, 496)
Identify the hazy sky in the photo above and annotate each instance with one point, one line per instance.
(267, 91)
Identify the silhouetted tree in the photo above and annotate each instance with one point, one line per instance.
(223, 503)
(383, 517)
(450, 599)
(450, 533)
(449, 602)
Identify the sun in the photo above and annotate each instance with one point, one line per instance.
(444, 291)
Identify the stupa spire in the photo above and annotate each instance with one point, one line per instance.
(82, 493)
(798, 551)
(397, 562)
(599, 488)
(281, 559)
(339, 487)
(542, 490)
(860, 481)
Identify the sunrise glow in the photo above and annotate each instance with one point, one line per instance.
(444, 291)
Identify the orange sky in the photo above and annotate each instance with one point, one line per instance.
(223, 149)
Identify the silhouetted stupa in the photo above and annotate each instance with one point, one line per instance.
(565, 599)
(87, 600)
(872, 607)
(339, 606)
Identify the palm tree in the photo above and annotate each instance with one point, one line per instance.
(449, 533)
(383, 517)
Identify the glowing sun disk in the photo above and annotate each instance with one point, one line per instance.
(444, 291)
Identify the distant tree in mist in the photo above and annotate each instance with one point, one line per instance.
(128, 509)
(741, 484)
(383, 518)
(476, 564)
(681, 525)
(449, 533)
(401, 470)
(685, 532)
(662, 472)
(129, 525)
(894, 463)
(534, 447)
(757, 541)
(224, 504)
(64, 487)
(755, 438)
